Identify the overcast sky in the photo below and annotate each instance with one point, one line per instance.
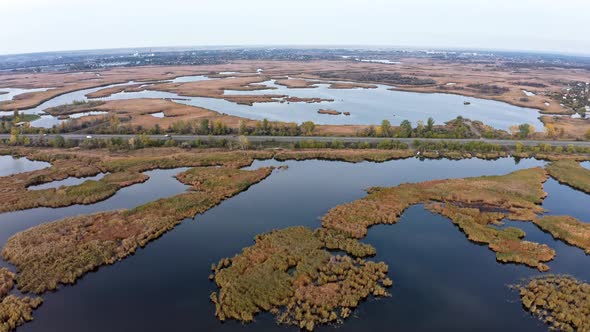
(51, 25)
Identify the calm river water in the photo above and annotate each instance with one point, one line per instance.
(441, 281)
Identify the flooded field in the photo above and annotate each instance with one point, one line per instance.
(365, 105)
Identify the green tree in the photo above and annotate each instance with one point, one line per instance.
(266, 128)
(14, 135)
(307, 128)
(524, 130)
(204, 127)
(570, 148)
(59, 142)
(420, 128)
(385, 128)
(218, 128)
(430, 124)
(337, 144)
(405, 128)
(242, 128)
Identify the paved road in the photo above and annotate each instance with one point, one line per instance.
(293, 139)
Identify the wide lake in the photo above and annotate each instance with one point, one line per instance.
(366, 106)
(441, 280)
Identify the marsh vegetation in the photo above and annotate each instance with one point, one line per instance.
(309, 284)
(568, 229)
(571, 173)
(473, 204)
(290, 274)
(560, 301)
(14, 310)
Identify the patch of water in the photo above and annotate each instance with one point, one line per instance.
(10, 165)
(528, 93)
(13, 92)
(367, 106)
(71, 181)
(160, 115)
(161, 183)
(441, 280)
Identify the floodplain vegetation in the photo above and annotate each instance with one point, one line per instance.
(123, 171)
(290, 274)
(568, 229)
(75, 107)
(560, 301)
(473, 204)
(63, 251)
(570, 173)
(14, 310)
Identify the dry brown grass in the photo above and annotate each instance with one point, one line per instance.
(297, 83)
(329, 112)
(63, 251)
(107, 92)
(348, 155)
(351, 85)
(568, 229)
(570, 172)
(320, 289)
(125, 170)
(573, 128)
(465, 202)
(442, 71)
(562, 302)
(14, 310)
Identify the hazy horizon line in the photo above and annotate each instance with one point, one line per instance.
(310, 46)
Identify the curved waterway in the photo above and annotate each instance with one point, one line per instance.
(366, 106)
(161, 183)
(441, 280)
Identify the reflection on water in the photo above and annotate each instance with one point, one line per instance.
(184, 79)
(79, 115)
(10, 165)
(11, 92)
(569, 201)
(160, 184)
(366, 106)
(441, 281)
(71, 181)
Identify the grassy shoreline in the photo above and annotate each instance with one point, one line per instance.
(570, 173)
(62, 251)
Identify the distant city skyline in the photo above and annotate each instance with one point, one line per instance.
(521, 25)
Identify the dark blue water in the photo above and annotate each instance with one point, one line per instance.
(441, 281)
(160, 184)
